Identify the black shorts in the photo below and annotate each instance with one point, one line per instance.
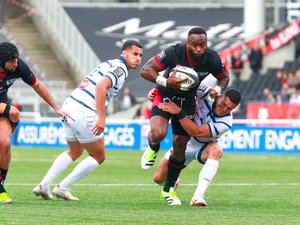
(187, 104)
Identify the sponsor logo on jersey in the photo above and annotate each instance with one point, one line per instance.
(161, 55)
(118, 72)
(10, 81)
(191, 116)
(83, 84)
(202, 74)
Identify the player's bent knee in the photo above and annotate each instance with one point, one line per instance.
(215, 153)
(5, 146)
(218, 154)
(157, 135)
(158, 179)
(74, 154)
(99, 158)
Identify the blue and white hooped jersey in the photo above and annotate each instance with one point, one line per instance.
(204, 114)
(115, 70)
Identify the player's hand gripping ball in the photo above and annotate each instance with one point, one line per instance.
(191, 76)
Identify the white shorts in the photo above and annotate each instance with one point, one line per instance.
(80, 129)
(192, 151)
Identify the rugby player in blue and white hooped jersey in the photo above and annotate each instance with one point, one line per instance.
(87, 105)
(212, 119)
(115, 70)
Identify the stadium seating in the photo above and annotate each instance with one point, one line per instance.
(252, 89)
(247, 87)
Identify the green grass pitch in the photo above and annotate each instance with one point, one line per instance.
(248, 189)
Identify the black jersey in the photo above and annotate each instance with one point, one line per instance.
(178, 55)
(8, 78)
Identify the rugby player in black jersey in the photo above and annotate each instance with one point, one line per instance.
(12, 68)
(196, 55)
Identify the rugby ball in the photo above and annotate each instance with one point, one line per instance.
(183, 72)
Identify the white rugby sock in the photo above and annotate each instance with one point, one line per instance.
(208, 172)
(81, 170)
(58, 166)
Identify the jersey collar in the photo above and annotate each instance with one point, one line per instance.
(122, 59)
(191, 61)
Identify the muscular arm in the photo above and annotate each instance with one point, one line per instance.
(222, 83)
(42, 91)
(100, 98)
(224, 80)
(188, 125)
(150, 71)
(193, 129)
(100, 95)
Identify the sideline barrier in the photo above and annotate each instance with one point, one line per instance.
(260, 139)
(132, 135)
(118, 135)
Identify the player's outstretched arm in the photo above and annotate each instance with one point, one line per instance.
(42, 91)
(223, 82)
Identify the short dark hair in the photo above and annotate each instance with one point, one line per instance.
(129, 43)
(197, 30)
(234, 95)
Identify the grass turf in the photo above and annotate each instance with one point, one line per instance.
(248, 189)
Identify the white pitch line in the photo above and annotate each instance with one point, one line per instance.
(33, 160)
(51, 160)
(128, 185)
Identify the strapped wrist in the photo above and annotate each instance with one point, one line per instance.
(162, 81)
(181, 115)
